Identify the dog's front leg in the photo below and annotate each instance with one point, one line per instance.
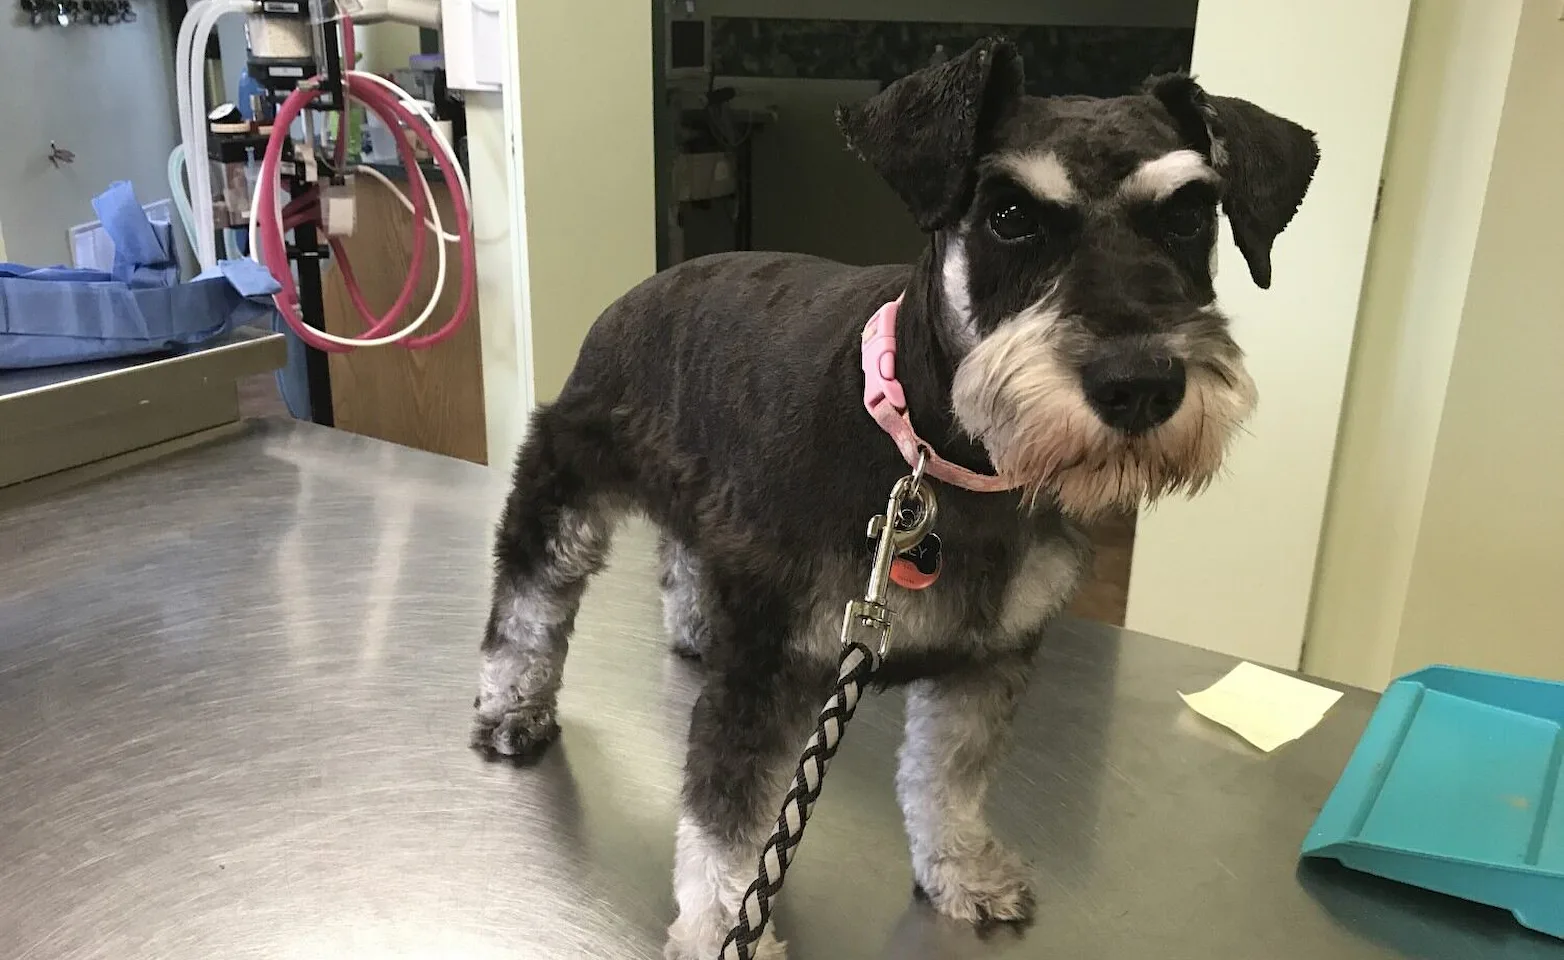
(957, 729)
(746, 731)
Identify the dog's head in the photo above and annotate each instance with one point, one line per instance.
(1076, 243)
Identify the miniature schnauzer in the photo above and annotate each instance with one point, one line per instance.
(1060, 331)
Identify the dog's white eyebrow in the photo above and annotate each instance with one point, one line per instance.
(1043, 174)
(1158, 177)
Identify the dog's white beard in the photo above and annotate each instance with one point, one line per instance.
(1013, 395)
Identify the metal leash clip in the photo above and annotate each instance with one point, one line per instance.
(868, 620)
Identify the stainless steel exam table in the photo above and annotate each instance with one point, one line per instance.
(235, 688)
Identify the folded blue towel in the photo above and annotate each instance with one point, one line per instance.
(54, 315)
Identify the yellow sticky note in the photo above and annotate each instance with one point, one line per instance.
(1264, 707)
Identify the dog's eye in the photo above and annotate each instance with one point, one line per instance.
(1014, 221)
(1184, 223)
(1186, 215)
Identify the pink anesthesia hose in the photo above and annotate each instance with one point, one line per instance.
(299, 211)
(305, 208)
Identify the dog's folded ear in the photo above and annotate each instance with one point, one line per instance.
(1266, 162)
(923, 133)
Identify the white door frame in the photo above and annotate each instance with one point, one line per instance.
(1233, 570)
(520, 296)
(500, 229)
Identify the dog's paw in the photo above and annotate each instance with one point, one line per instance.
(703, 941)
(519, 734)
(990, 886)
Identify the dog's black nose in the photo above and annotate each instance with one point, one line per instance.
(1135, 393)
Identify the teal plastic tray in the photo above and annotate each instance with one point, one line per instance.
(1454, 787)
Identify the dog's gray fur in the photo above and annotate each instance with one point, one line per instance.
(683, 606)
(956, 728)
(518, 688)
(1061, 327)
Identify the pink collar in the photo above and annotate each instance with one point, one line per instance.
(886, 402)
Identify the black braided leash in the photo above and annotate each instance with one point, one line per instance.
(858, 664)
(865, 619)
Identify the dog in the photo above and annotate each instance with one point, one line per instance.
(1060, 332)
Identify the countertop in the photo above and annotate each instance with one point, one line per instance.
(235, 689)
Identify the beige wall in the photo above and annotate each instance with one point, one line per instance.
(507, 375)
(1487, 552)
(562, 179)
(1487, 585)
(587, 168)
(1233, 569)
(1453, 84)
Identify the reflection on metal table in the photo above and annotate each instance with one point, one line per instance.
(235, 689)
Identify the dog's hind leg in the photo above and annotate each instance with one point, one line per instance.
(553, 536)
(684, 614)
